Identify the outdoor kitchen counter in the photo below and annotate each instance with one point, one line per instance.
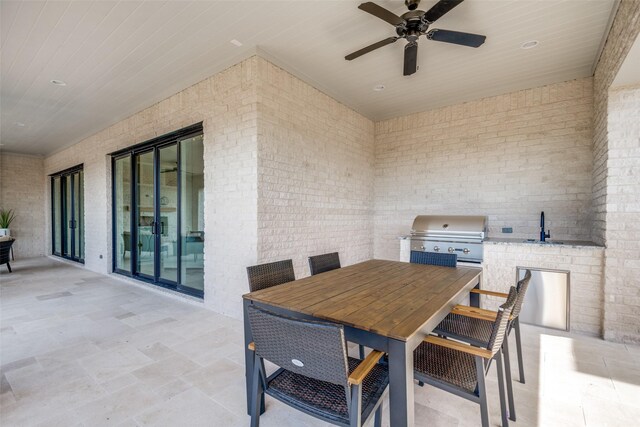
(583, 260)
(565, 243)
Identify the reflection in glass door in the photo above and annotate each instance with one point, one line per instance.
(168, 212)
(163, 181)
(145, 214)
(67, 214)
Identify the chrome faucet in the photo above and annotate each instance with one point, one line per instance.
(543, 235)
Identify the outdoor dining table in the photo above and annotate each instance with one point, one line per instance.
(387, 305)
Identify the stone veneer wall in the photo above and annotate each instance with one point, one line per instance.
(622, 272)
(624, 30)
(22, 190)
(315, 167)
(508, 157)
(585, 265)
(226, 104)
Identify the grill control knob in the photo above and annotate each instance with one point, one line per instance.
(436, 248)
(422, 247)
(451, 250)
(466, 251)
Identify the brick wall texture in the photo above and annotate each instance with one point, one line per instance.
(315, 165)
(622, 272)
(508, 157)
(22, 190)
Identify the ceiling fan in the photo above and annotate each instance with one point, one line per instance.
(413, 24)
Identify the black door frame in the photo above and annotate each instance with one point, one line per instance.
(67, 174)
(154, 146)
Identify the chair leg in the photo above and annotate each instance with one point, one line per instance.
(256, 394)
(361, 350)
(503, 403)
(9, 267)
(507, 370)
(377, 422)
(482, 392)
(519, 349)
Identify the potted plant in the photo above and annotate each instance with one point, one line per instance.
(6, 218)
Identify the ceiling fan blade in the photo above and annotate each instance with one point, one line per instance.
(369, 48)
(440, 9)
(456, 37)
(382, 13)
(410, 58)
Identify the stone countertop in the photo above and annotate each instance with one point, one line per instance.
(565, 243)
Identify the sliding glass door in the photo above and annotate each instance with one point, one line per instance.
(158, 218)
(67, 214)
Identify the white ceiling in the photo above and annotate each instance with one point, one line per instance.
(629, 72)
(120, 57)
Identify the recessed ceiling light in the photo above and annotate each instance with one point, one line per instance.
(235, 43)
(378, 88)
(529, 45)
(58, 82)
(20, 124)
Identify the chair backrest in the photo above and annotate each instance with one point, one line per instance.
(325, 262)
(502, 319)
(521, 287)
(5, 246)
(434, 258)
(271, 274)
(313, 349)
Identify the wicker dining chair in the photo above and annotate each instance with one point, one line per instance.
(315, 374)
(325, 262)
(461, 368)
(434, 258)
(271, 274)
(473, 325)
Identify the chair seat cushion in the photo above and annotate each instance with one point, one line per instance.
(323, 399)
(465, 328)
(445, 365)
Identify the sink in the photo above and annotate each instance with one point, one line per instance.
(546, 242)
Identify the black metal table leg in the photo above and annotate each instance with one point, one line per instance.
(401, 405)
(249, 360)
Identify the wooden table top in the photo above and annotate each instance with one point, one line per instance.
(390, 298)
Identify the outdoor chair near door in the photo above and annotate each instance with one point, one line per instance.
(270, 274)
(461, 368)
(325, 262)
(434, 258)
(315, 374)
(474, 326)
(5, 251)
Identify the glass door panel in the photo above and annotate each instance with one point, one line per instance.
(78, 214)
(192, 213)
(56, 218)
(168, 210)
(145, 215)
(122, 217)
(67, 209)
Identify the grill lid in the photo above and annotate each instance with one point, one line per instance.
(446, 226)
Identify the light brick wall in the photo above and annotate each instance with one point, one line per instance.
(585, 265)
(624, 30)
(315, 166)
(615, 196)
(508, 157)
(622, 273)
(22, 190)
(226, 104)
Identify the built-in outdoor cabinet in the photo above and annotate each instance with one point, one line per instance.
(546, 302)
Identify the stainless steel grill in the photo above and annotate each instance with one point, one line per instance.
(462, 235)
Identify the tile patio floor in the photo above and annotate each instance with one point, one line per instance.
(83, 349)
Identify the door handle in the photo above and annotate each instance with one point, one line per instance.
(153, 227)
